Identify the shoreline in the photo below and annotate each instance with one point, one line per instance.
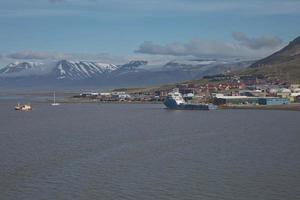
(70, 100)
(288, 107)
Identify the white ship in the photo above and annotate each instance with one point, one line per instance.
(174, 100)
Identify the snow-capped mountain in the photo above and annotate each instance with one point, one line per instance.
(79, 70)
(206, 67)
(134, 73)
(69, 70)
(21, 68)
(134, 66)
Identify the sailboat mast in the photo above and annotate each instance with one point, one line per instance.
(54, 100)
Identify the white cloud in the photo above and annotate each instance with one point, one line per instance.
(257, 43)
(31, 55)
(242, 47)
(54, 56)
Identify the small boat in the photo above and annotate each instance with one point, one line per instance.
(25, 107)
(18, 107)
(54, 102)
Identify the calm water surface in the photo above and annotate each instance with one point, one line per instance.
(106, 151)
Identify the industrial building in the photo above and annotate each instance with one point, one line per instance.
(220, 99)
(235, 100)
(272, 101)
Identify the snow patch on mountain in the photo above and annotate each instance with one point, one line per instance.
(136, 72)
(133, 66)
(77, 70)
(17, 69)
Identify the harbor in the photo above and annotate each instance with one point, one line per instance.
(217, 101)
(238, 94)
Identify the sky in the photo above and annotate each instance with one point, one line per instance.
(119, 30)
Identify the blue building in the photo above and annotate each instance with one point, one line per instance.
(272, 101)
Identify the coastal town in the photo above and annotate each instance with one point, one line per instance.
(222, 90)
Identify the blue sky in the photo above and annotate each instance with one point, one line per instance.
(96, 29)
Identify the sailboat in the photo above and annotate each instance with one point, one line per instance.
(54, 102)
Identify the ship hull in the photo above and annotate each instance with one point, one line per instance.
(171, 104)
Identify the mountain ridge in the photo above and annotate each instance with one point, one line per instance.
(133, 73)
(283, 64)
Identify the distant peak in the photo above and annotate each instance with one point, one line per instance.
(64, 61)
(23, 64)
(138, 62)
(135, 64)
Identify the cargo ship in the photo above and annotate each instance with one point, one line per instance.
(175, 101)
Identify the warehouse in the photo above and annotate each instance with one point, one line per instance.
(272, 101)
(221, 100)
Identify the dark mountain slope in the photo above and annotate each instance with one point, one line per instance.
(284, 64)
